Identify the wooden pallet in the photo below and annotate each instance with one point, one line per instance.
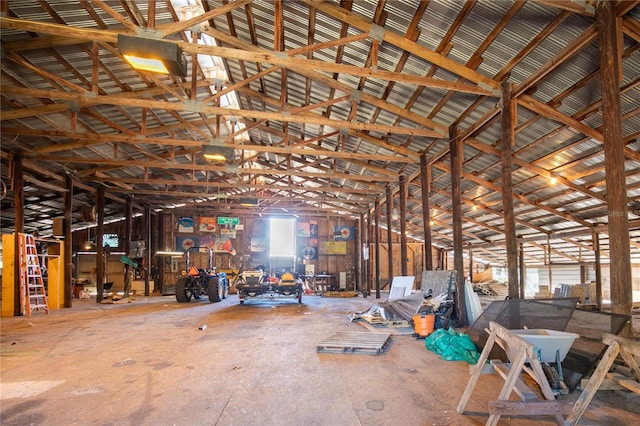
(373, 318)
(377, 319)
(340, 294)
(355, 342)
(396, 323)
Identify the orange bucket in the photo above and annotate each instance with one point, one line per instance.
(423, 324)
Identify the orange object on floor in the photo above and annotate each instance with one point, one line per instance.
(423, 324)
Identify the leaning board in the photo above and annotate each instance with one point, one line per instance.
(355, 342)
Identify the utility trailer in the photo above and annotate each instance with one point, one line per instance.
(256, 284)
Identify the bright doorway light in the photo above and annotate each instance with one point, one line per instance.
(282, 237)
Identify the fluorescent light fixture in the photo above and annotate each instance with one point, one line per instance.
(218, 153)
(249, 202)
(153, 55)
(169, 253)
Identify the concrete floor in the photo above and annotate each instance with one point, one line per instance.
(147, 363)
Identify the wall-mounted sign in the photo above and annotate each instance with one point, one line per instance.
(185, 243)
(207, 224)
(222, 220)
(344, 233)
(185, 224)
(335, 247)
(258, 245)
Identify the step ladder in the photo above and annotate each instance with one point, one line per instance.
(33, 296)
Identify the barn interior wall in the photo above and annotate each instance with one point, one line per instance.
(246, 250)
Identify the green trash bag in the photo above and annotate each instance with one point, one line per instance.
(452, 346)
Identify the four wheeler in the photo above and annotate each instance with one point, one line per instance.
(197, 282)
(257, 284)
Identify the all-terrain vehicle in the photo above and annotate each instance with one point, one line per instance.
(196, 282)
(257, 283)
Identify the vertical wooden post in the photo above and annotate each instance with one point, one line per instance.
(18, 199)
(598, 268)
(100, 261)
(389, 233)
(68, 239)
(363, 261)
(425, 177)
(508, 138)
(128, 218)
(619, 245)
(376, 217)
(522, 272)
(457, 156)
(548, 251)
(368, 228)
(161, 245)
(403, 225)
(147, 252)
(470, 263)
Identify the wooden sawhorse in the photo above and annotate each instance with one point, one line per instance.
(626, 348)
(519, 352)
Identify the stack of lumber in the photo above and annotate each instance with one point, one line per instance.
(544, 292)
(483, 276)
(340, 294)
(586, 293)
(492, 288)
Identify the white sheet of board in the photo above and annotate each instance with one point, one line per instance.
(401, 287)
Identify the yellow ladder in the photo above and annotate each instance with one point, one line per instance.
(33, 296)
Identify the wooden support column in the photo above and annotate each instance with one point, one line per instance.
(363, 255)
(18, 199)
(376, 218)
(425, 177)
(470, 263)
(522, 271)
(548, 254)
(403, 225)
(619, 245)
(455, 150)
(598, 268)
(508, 138)
(389, 233)
(100, 260)
(369, 248)
(68, 237)
(159, 283)
(128, 218)
(147, 252)
(441, 259)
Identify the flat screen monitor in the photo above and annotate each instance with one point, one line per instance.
(110, 240)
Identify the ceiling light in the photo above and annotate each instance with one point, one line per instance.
(218, 153)
(152, 54)
(169, 253)
(249, 202)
